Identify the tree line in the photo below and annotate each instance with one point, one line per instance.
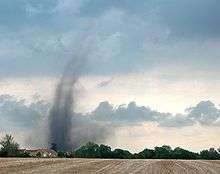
(92, 150)
(9, 148)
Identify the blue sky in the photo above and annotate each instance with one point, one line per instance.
(158, 53)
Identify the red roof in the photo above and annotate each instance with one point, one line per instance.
(41, 150)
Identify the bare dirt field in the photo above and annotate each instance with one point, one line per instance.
(102, 166)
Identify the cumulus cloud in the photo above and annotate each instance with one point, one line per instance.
(131, 114)
(30, 120)
(204, 113)
(20, 114)
(178, 121)
(25, 116)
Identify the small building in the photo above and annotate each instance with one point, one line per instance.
(42, 153)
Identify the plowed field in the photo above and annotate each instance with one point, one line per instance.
(102, 166)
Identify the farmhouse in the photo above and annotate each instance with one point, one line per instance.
(43, 153)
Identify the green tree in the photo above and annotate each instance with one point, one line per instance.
(210, 154)
(105, 151)
(163, 152)
(179, 153)
(9, 148)
(122, 154)
(90, 150)
(146, 154)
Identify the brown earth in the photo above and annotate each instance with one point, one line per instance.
(103, 166)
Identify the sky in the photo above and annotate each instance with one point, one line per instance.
(160, 54)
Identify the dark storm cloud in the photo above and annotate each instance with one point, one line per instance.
(197, 18)
(95, 8)
(130, 36)
(20, 14)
